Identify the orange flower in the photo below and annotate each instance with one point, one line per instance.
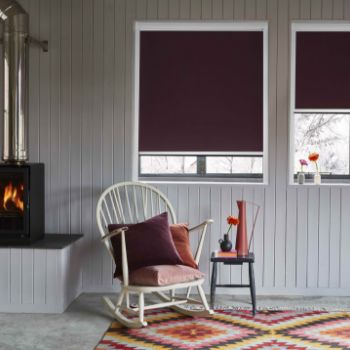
(232, 220)
(313, 157)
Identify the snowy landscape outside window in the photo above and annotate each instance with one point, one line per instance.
(236, 166)
(326, 134)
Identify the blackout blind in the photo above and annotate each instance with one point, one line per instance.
(322, 70)
(201, 91)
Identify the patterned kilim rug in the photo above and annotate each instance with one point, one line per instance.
(235, 329)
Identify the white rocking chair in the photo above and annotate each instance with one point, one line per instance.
(132, 202)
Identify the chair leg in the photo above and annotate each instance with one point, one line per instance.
(127, 300)
(116, 308)
(142, 309)
(204, 299)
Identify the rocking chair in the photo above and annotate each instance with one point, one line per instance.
(134, 202)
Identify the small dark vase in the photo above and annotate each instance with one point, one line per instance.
(225, 244)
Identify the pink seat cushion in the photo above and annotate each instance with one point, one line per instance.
(162, 275)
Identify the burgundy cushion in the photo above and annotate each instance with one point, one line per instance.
(147, 243)
(163, 275)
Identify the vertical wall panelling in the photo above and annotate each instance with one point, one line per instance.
(80, 126)
(335, 238)
(44, 103)
(345, 239)
(327, 11)
(97, 125)
(39, 271)
(119, 91)
(87, 210)
(217, 9)
(239, 9)
(338, 9)
(281, 135)
(305, 9)
(33, 7)
(27, 276)
(206, 9)
(258, 242)
(76, 120)
(195, 9)
(130, 12)
(52, 219)
(316, 9)
(312, 237)
(269, 242)
(227, 9)
(163, 9)
(174, 9)
(5, 274)
(108, 113)
(66, 116)
(291, 238)
(15, 276)
(323, 239)
(302, 238)
(185, 8)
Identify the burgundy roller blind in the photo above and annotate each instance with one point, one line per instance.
(322, 70)
(201, 91)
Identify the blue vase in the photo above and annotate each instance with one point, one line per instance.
(225, 244)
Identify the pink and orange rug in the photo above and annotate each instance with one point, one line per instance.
(232, 329)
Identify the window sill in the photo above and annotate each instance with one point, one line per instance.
(323, 184)
(213, 182)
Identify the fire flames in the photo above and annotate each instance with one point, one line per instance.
(13, 194)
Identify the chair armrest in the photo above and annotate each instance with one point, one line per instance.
(114, 233)
(203, 227)
(204, 223)
(125, 268)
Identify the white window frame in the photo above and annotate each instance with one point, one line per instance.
(300, 26)
(140, 26)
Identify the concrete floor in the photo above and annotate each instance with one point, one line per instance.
(85, 321)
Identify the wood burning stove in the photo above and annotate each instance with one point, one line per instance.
(21, 183)
(21, 203)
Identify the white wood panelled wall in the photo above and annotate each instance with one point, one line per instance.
(80, 127)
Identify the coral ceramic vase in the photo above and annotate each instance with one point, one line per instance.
(242, 238)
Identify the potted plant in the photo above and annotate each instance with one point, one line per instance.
(226, 244)
(313, 157)
(301, 175)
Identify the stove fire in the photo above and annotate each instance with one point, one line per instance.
(13, 197)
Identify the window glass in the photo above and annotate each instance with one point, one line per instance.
(168, 165)
(234, 165)
(326, 134)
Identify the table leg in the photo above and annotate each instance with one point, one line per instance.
(213, 284)
(252, 286)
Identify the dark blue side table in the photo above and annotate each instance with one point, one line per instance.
(239, 260)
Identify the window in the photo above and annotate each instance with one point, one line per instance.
(202, 166)
(201, 100)
(320, 105)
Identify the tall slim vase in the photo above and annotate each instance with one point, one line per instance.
(242, 237)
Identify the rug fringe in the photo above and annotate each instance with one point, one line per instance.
(277, 308)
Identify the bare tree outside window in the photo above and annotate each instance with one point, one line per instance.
(327, 134)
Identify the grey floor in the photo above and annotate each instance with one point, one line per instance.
(85, 321)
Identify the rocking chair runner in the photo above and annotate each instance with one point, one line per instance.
(133, 202)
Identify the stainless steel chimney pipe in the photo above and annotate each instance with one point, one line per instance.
(15, 60)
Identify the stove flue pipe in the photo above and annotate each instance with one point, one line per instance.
(15, 42)
(15, 61)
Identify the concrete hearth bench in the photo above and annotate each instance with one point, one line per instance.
(44, 277)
